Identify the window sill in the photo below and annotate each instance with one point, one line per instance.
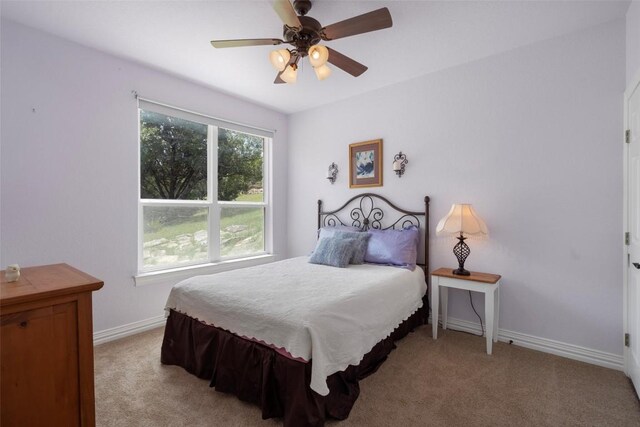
(180, 273)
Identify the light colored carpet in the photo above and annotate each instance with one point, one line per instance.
(447, 382)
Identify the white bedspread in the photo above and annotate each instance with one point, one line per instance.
(333, 316)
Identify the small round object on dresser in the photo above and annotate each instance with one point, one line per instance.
(12, 273)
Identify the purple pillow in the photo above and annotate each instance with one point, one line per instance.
(394, 247)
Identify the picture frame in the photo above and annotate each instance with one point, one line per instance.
(365, 164)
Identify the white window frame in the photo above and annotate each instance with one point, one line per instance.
(215, 261)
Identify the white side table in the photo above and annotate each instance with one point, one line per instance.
(443, 278)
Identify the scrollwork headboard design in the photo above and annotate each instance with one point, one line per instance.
(365, 211)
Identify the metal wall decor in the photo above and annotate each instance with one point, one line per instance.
(332, 173)
(399, 162)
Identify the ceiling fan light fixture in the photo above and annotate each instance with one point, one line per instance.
(322, 72)
(301, 31)
(280, 58)
(290, 74)
(318, 55)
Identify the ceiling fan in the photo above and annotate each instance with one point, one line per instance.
(304, 34)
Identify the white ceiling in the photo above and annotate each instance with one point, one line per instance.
(426, 36)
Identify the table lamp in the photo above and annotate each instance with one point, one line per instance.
(460, 221)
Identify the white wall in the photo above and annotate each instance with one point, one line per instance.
(531, 138)
(69, 162)
(633, 40)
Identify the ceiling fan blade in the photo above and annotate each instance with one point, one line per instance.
(285, 11)
(372, 21)
(345, 63)
(245, 42)
(278, 80)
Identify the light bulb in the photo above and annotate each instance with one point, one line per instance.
(289, 75)
(322, 72)
(279, 58)
(318, 55)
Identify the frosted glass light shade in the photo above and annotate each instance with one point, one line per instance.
(462, 219)
(279, 58)
(318, 55)
(289, 75)
(322, 72)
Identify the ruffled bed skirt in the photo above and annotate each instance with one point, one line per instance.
(258, 374)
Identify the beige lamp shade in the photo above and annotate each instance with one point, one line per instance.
(462, 219)
(280, 58)
(322, 72)
(289, 75)
(318, 55)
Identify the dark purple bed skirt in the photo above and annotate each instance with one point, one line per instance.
(258, 374)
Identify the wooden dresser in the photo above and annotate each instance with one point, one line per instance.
(46, 347)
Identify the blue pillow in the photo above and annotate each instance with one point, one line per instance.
(394, 247)
(361, 240)
(330, 231)
(333, 252)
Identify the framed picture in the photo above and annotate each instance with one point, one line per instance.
(365, 164)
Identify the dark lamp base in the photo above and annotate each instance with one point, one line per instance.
(461, 272)
(461, 251)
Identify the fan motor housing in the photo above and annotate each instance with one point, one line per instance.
(308, 36)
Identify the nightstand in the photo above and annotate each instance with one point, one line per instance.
(443, 278)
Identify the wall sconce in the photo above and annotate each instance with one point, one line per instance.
(332, 172)
(399, 160)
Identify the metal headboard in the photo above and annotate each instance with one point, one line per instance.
(367, 213)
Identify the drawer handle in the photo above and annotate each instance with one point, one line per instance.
(23, 324)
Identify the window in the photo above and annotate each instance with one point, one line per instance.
(203, 189)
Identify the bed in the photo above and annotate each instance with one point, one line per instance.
(294, 337)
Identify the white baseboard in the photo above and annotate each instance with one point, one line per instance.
(583, 354)
(118, 332)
